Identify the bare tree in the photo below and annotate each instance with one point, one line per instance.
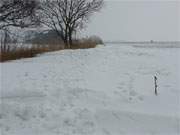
(68, 16)
(18, 13)
(3, 41)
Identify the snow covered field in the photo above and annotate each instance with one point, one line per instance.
(108, 90)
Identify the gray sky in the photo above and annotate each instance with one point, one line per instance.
(133, 20)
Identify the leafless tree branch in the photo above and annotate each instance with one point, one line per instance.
(18, 13)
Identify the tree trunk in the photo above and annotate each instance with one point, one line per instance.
(70, 37)
(66, 40)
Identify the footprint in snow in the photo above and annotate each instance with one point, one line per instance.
(141, 98)
(133, 93)
(7, 128)
(1, 116)
(26, 74)
(106, 132)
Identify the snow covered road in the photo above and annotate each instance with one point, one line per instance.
(108, 90)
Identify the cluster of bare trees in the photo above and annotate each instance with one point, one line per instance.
(64, 16)
(18, 13)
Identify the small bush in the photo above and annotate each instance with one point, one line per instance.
(95, 40)
(85, 43)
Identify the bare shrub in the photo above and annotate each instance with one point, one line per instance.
(95, 39)
(19, 53)
(11, 51)
(86, 43)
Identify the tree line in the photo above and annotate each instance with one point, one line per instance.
(65, 17)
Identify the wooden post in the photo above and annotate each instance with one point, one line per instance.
(155, 84)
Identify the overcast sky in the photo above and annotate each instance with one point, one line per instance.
(133, 20)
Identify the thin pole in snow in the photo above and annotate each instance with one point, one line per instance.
(155, 84)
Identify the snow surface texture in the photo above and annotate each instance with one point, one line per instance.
(108, 90)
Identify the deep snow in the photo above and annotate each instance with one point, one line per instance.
(108, 90)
